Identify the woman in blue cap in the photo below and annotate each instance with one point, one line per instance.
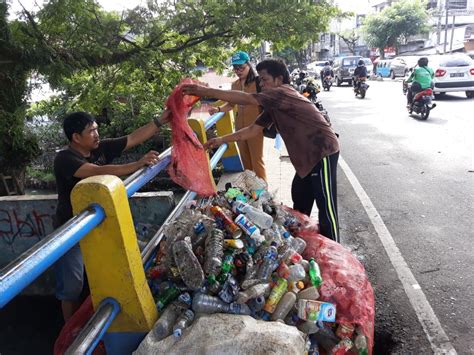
(251, 150)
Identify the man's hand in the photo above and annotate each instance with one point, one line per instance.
(150, 158)
(213, 110)
(195, 90)
(213, 143)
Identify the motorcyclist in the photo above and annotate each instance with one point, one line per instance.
(421, 79)
(326, 71)
(359, 73)
(301, 77)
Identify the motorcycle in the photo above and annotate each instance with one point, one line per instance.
(422, 102)
(327, 82)
(310, 92)
(360, 87)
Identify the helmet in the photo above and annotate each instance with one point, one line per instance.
(302, 74)
(360, 62)
(327, 63)
(423, 62)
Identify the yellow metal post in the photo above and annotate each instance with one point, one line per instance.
(111, 255)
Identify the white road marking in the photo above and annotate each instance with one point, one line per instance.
(431, 325)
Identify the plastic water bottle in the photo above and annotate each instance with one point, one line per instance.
(214, 251)
(315, 273)
(164, 325)
(249, 228)
(310, 293)
(308, 327)
(200, 234)
(296, 273)
(226, 268)
(256, 304)
(184, 321)
(284, 306)
(269, 262)
(253, 292)
(298, 245)
(360, 343)
(188, 265)
(209, 304)
(242, 309)
(258, 217)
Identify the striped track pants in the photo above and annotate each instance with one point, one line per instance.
(320, 185)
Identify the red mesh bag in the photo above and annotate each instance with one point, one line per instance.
(73, 327)
(345, 282)
(189, 166)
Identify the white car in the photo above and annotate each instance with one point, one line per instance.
(453, 72)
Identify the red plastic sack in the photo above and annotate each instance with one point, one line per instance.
(345, 282)
(189, 166)
(73, 327)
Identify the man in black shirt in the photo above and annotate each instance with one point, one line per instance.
(86, 156)
(360, 73)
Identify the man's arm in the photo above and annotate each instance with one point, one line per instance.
(242, 134)
(89, 169)
(147, 131)
(231, 96)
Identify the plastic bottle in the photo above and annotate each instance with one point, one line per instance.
(305, 265)
(209, 304)
(200, 234)
(184, 321)
(360, 342)
(188, 265)
(164, 325)
(277, 293)
(229, 290)
(253, 292)
(284, 306)
(268, 264)
(164, 298)
(256, 216)
(272, 235)
(326, 338)
(283, 271)
(249, 228)
(296, 287)
(237, 308)
(256, 304)
(310, 293)
(226, 268)
(296, 273)
(213, 252)
(308, 327)
(234, 243)
(342, 347)
(315, 273)
(298, 245)
(233, 229)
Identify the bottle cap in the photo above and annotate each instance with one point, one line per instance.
(177, 333)
(296, 258)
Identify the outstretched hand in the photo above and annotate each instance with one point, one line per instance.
(213, 143)
(194, 89)
(150, 158)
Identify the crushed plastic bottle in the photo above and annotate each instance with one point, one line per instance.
(253, 292)
(209, 304)
(296, 273)
(269, 263)
(188, 265)
(284, 306)
(214, 251)
(229, 290)
(184, 321)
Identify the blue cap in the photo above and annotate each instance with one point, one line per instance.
(240, 57)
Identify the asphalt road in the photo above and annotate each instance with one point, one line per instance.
(419, 177)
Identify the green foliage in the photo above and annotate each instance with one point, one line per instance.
(394, 24)
(122, 66)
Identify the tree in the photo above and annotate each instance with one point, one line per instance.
(394, 24)
(126, 64)
(350, 38)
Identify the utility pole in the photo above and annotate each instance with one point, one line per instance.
(452, 34)
(446, 5)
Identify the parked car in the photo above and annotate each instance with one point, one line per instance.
(453, 72)
(344, 68)
(316, 66)
(400, 66)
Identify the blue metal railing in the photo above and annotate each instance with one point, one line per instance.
(32, 263)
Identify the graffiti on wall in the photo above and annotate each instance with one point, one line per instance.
(31, 225)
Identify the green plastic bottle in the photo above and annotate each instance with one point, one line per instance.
(166, 297)
(315, 273)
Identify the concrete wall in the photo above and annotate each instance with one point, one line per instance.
(25, 220)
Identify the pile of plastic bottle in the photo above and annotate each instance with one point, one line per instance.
(237, 253)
